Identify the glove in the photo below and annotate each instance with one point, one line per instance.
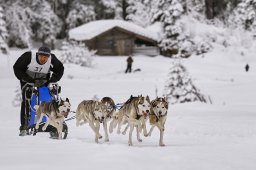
(47, 83)
(28, 79)
(39, 83)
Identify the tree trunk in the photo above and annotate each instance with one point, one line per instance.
(209, 5)
(124, 6)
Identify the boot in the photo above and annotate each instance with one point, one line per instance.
(23, 133)
(54, 135)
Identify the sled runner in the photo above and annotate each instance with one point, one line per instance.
(44, 94)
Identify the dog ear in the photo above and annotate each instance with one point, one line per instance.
(166, 105)
(67, 100)
(153, 104)
(166, 99)
(147, 98)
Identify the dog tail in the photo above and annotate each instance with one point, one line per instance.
(36, 107)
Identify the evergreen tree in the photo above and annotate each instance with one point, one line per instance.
(244, 15)
(76, 53)
(32, 19)
(195, 8)
(62, 8)
(45, 23)
(80, 14)
(106, 9)
(179, 88)
(3, 33)
(169, 12)
(18, 20)
(139, 12)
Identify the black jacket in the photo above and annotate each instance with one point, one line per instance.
(21, 65)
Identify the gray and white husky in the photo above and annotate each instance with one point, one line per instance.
(111, 109)
(158, 116)
(55, 112)
(134, 112)
(92, 112)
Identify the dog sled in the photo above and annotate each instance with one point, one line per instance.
(38, 95)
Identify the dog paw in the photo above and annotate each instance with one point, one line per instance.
(161, 144)
(123, 133)
(106, 140)
(118, 132)
(100, 137)
(43, 128)
(140, 140)
(130, 144)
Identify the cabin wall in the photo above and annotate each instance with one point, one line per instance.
(113, 42)
(119, 42)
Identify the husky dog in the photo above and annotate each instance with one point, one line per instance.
(158, 116)
(134, 111)
(111, 108)
(94, 113)
(55, 111)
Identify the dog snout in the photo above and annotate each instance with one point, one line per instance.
(160, 112)
(68, 110)
(101, 119)
(147, 111)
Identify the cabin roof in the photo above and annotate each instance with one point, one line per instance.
(92, 29)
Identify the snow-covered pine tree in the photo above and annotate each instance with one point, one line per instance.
(3, 33)
(44, 23)
(169, 12)
(76, 53)
(244, 15)
(119, 8)
(80, 14)
(195, 8)
(179, 87)
(106, 9)
(139, 12)
(18, 20)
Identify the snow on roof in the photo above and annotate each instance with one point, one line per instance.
(95, 28)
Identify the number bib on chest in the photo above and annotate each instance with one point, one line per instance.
(36, 70)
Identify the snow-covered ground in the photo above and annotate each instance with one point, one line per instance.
(218, 136)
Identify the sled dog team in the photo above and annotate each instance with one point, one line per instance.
(134, 113)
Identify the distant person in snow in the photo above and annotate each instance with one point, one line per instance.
(247, 67)
(35, 69)
(129, 65)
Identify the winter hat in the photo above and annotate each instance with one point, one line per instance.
(44, 51)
